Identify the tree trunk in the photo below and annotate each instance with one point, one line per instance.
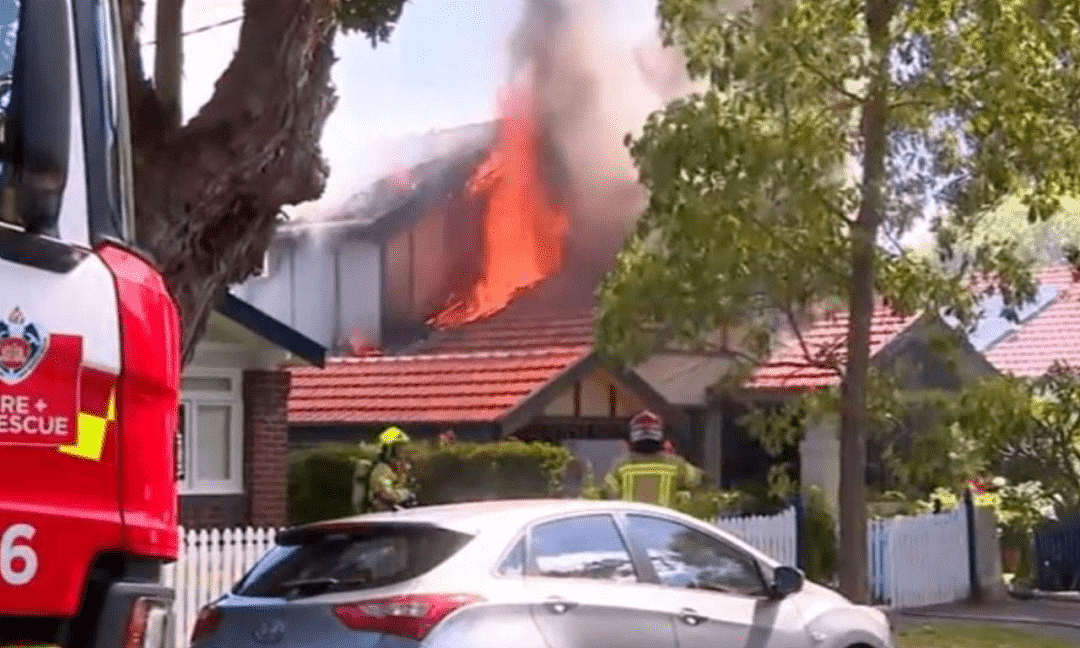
(208, 195)
(854, 577)
(169, 60)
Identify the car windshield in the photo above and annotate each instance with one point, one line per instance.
(9, 32)
(374, 556)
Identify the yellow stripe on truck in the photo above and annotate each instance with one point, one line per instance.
(90, 435)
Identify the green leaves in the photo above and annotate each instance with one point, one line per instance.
(373, 18)
(1028, 428)
(753, 183)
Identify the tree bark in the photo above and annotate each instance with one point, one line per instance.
(169, 60)
(854, 419)
(208, 194)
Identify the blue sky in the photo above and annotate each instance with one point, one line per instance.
(442, 68)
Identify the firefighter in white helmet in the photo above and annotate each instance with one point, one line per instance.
(648, 474)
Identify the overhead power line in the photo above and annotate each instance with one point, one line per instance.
(204, 28)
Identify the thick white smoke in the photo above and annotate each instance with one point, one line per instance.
(592, 87)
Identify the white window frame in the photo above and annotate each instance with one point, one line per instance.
(191, 400)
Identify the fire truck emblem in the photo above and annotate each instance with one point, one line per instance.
(22, 344)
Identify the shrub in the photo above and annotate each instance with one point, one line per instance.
(819, 537)
(320, 480)
(464, 472)
(709, 503)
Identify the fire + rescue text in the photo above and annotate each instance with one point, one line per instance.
(17, 416)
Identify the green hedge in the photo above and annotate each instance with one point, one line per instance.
(320, 480)
(320, 483)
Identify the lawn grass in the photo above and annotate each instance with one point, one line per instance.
(943, 635)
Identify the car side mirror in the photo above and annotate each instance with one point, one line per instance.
(786, 581)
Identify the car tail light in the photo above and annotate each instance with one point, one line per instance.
(146, 626)
(411, 616)
(206, 623)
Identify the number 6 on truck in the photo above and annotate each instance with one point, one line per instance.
(11, 571)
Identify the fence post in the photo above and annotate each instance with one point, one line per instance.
(972, 543)
(800, 530)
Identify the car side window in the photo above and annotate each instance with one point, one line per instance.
(514, 563)
(685, 557)
(581, 547)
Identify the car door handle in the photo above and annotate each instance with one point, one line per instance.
(691, 617)
(559, 606)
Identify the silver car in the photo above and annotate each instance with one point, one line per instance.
(529, 574)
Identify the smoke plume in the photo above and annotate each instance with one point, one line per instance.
(591, 89)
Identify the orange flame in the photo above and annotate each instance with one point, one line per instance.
(523, 232)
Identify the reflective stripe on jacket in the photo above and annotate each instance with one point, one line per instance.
(652, 479)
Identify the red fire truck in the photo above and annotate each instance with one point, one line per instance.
(89, 347)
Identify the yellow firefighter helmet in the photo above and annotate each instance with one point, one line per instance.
(393, 436)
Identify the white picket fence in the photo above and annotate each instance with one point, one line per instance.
(208, 565)
(921, 560)
(774, 535)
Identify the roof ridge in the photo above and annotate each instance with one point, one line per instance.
(461, 355)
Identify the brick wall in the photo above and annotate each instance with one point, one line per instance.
(212, 511)
(266, 439)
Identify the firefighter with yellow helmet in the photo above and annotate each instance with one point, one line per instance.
(648, 474)
(383, 485)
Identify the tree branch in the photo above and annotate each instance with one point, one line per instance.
(735, 354)
(169, 59)
(911, 103)
(835, 210)
(833, 83)
(208, 194)
(793, 322)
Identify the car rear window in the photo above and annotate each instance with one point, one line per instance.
(375, 556)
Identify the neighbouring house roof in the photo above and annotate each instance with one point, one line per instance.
(1049, 330)
(284, 337)
(504, 371)
(477, 387)
(789, 370)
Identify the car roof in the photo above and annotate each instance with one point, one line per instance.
(501, 519)
(471, 516)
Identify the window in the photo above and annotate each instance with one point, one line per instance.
(114, 127)
(376, 556)
(685, 557)
(211, 435)
(9, 32)
(581, 547)
(514, 563)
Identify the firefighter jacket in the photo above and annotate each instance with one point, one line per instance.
(378, 486)
(387, 487)
(651, 478)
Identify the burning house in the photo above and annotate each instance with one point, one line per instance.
(454, 296)
(464, 236)
(459, 292)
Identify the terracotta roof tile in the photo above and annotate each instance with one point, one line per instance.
(574, 331)
(789, 368)
(432, 388)
(1050, 335)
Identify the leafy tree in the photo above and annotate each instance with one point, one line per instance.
(208, 194)
(1044, 242)
(1028, 429)
(827, 128)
